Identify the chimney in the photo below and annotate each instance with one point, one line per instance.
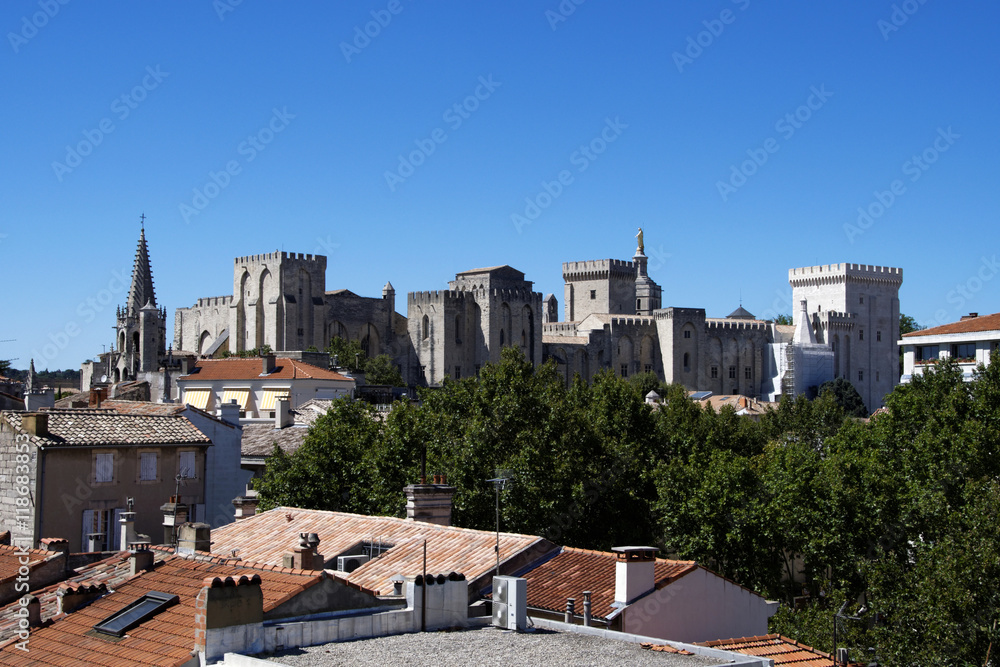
(246, 505)
(970, 316)
(194, 537)
(56, 544)
(72, 596)
(634, 576)
(282, 412)
(227, 602)
(230, 412)
(140, 559)
(97, 395)
(306, 556)
(126, 524)
(34, 608)
(35, 423)
(267, 361)
(430, 502)
(95, 542)
(185, 365)
(174, 514)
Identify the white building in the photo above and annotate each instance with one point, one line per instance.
(257, 383)
(970, 341)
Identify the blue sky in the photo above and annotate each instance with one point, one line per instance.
(742, 136)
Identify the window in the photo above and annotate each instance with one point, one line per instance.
(748, 372)
(477, 369)
(638, 304)
(732, 372)
(877, 375)
(136, 613)
(648, 368)
(104, 467)
(715, 372)
(458, 329)
(861, 299)
(927, 353)
(458, 372)
(425, 327)
(687, 333)
(687, 361)
(147, 467)
(186, 465)
(593, 294)
(861, 375)
(861, 334)
(878, 336)
(624, 370)
(964, 351)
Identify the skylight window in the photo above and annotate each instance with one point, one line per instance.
(140, 611)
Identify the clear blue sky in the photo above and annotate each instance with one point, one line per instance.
(182, 87)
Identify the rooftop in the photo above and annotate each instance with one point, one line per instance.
(260, 439)
(574, 571)
(167, 638)
(104, 427)
(267, 536)
(10, 560)
(237, 368)
(781, 650)
(487, 646)
(965, 325)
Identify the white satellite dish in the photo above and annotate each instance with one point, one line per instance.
(104, 378)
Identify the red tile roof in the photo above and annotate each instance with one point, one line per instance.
(574, 571)
(166, 639)
(971, 325)
(236, 368)
(782, 650)
(105, 427)
(10, 560)
(267, 536)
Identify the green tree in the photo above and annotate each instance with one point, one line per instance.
(348, 353)
(846, 396)
(4, 367)
(380, 370)
(906, 325)
(783, 318)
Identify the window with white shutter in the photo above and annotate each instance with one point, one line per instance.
(105, 467)
(147, 467)
(186, 465)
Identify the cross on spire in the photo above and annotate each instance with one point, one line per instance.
(142, 221)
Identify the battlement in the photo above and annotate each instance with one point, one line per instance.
(726, 324)
(672, 313)
(631, 320)
(434, 297)
(279, 255)
(830, 273)
(516, 294)
(560, 328)
(210, 301)
(598, 269)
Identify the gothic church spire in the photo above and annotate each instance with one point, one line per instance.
(141, 291)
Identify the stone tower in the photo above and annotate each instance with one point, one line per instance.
(854, 308)
(278, 301)
(141, 327)
(647, 292)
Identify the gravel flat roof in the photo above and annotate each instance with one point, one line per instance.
(485, 646)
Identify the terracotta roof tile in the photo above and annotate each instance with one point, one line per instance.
(782, 650)
(10, 560)
(166, 639)
(236, 368)
(267, 536)
(970, 325)
(105, 427)
(574, 571)
(260, 439)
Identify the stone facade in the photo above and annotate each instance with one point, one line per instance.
(454, 332)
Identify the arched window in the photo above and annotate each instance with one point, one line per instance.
(687, 361)
(458, 328)
(425, 327)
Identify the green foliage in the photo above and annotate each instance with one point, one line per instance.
(4, 367)
(846, 396)
(908, 325)
(249, 354)
(380, 370)
(348, 352)
(783, 318)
